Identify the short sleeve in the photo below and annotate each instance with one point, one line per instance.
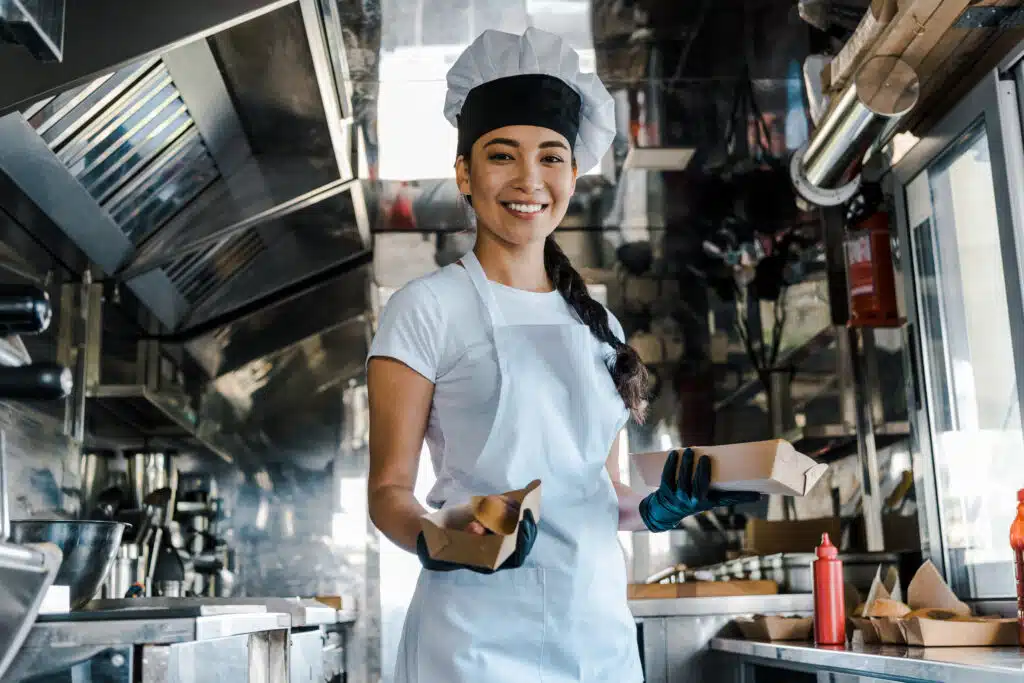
(411, 329)
(616, 326)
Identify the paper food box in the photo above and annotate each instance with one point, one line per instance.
(447, 539)
(931, 617)
(769, 467)
(773, 627)
(885, 594)
(763, 537)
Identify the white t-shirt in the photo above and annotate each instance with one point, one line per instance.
(436, 324)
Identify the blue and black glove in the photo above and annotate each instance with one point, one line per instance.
(665, 508)
(525, 539)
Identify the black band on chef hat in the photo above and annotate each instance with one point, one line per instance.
(522, 100)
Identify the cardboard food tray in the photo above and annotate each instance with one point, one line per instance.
(767, 467)
(867, 630)
(776, 628)
(699, 589)
(928, 591)
(788, 536)
(448, 541)
(968, 632)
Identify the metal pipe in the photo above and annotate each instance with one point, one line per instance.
(5, 514)
(884, 90)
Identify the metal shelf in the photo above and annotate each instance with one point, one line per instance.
(139, 411)
(828, 443)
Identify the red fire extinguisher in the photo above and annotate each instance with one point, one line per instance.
(870, 274)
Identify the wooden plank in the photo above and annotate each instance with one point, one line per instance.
(931, 40)
(924, 43)
(841, 69)
(949, 85)
(961, 48)
(910, 23)
(700, 589)
(909, 30)
(955, 41)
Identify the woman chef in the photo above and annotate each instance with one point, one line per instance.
(511, 372)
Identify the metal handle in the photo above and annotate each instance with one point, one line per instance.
(24, 309)
(39, 381)
(5, 517)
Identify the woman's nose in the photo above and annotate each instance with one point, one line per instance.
(529, 177)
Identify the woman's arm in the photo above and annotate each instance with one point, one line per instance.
(399, 400)
(629, 500)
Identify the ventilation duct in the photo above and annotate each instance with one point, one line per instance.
(825, 171)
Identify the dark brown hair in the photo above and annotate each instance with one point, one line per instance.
(628, 371)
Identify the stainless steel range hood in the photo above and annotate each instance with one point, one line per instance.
(181, 173)
(214, 181)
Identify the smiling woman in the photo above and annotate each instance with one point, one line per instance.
(510, 371)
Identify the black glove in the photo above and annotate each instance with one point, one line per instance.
(525, 539)
(665, 508)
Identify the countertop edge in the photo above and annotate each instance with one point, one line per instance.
(734, 604)
(884, 659)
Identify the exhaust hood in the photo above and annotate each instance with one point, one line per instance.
(203, 179)
(214, 183)
(36, 24)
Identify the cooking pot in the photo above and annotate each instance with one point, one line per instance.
(89, 547)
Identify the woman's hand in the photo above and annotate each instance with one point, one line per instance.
(675, 500)
(526, 536)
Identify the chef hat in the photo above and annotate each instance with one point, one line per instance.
(503, 79)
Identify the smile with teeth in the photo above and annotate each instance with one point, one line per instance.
(524, 208)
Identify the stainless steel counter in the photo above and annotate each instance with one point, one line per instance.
(673, 634)
(56, 645)
(116, 632)
(304, 612)
(745, 604)
(169, 628)
(946, 664)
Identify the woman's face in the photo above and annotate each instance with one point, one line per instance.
(520, 179)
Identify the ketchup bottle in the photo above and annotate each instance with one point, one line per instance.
(1017, 544)
(829, 601)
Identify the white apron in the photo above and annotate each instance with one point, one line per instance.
(563, 616)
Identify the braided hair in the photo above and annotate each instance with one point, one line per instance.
(628, 371)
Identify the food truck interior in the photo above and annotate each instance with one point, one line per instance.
(810, 225)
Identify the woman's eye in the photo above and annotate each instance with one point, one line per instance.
(552, 159)
(500, 156)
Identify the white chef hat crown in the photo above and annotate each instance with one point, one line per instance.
(503, 79)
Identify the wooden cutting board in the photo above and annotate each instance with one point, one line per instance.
(699, 589)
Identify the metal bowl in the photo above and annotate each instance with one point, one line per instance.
(89, 548)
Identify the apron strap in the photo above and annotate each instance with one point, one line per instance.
(483, 289)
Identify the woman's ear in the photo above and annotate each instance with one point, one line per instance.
(575, 174)
(462, 175)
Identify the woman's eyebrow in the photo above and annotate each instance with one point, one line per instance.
(515, 143)
(554, 143)
(502, 141)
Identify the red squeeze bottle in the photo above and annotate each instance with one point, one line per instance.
(1017, 544)
(829, 601)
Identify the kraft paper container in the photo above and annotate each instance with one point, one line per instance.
(448, 541)
(768, 467)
